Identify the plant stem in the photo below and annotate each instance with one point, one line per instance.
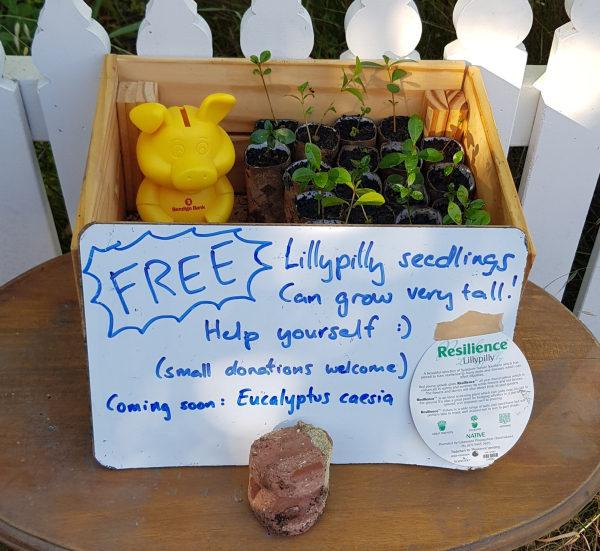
(267, 92)
(365, 214)
(389, 70)
(405, 98)
(351, 204)
(327, 111)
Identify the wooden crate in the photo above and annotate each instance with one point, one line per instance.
(189, 81)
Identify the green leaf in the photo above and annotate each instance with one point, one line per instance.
(415, 128)
(358, 68)
(268, 125)
(313, 154)
(395, 179)
(359, 81)
(454, 213)
(270, 141)
(371, 198)
(386, 59)
(343, 177)
(356, 93)
(345, 81)
(302, 88)
(402, 61)
(320, 179)
(398, 74)
(256, 72)
(463, 195)
(366, 160)
(411, 162)
(267, 72)
(411, 178)
(265, 56)
(332, 201)
(478, 204)
(333, 174)
(397, 188)
(332, 108)
(285, 136)
(404, 192)
(448, 170)
(458, 157)
(431, 155)
(329, 186)
(303, 175)
(362, 191)
(482, 218)
(254, 59)
(407, 147)
(447, 220)
(391, 160)
(259, 136)
(419, 181)
(310, 110)
(417, 195)
(393, 88)
(372, 65)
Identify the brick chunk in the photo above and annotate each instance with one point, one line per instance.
(289, 478)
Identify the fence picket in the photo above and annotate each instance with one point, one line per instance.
(293, 38)
(490, 35)
(377, 27)
(174, 28)
(69, 50)
(563, 163)
(27, 234)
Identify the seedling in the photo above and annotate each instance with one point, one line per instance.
(323, 181)
(472, 215)
(356, 129)
(259, 62)
(360, 197)
(350, 85)
(302, 99)
(270, 136)
(394, 76)
(410, 157)
(458, 157)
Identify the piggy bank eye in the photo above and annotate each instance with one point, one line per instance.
(178, 150)
(202, 148)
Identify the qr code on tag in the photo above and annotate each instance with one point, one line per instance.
(504, 418)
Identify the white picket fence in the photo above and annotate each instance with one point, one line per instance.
(555, 110)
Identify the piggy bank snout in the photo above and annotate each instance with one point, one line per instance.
(193, 175)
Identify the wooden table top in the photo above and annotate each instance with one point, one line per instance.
(54, 495)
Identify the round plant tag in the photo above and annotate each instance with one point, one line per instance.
(471, 398)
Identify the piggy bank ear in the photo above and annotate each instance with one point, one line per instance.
(215, 108)
(149, 117)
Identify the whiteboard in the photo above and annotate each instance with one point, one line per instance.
(203, 338)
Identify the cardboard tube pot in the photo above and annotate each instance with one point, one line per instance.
(420, 216)
(451, 148)
(291, 189)
(350, 153)
(306, 206)
(290, 124)
(393, 147)
(328, 142)
(437, 182)
(385, 130)
(367, 130)
(264, 182)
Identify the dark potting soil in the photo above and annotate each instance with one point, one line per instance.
(263, 157)
(356, 154)
(307, 207)
(401, 134)
(377, 215)
(392, 196)
(326, 139)
(422, 217)
(281, 123)
(368, 181)
(440, 181)
(366, 129)
(438, 145)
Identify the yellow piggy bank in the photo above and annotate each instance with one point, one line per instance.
(185, 156)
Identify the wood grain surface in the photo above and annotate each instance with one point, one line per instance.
(54, 495)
